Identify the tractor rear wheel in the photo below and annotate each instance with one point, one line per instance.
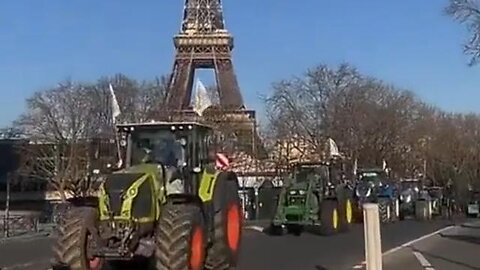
(71, 248)
(384, 210)
(423, 210)
(329, 217)
(228, 221)
(180, 238)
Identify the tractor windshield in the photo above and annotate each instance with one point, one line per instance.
(167, 151)
(372, 177)
(157, 146)
(307, 173)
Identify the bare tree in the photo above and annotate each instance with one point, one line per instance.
(468, 12)
(372, 121)
(58, 123)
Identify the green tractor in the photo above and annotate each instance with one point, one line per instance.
(168, 206)
(313, 196)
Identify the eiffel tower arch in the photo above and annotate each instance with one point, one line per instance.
(204, 43)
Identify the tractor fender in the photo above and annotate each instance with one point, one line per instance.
(210, 192)
(209, 182)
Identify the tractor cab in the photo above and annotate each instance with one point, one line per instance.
(305, 178)
(176, 144)
(370, 183)
(409, 190)
(175, 151)
(373, 176)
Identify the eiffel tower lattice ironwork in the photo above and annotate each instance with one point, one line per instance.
(204, 43)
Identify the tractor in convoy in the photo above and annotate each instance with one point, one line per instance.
(168, 205)
(436, 193)
(313, 196)
(415, 200)
(473, 204)
(374, 186)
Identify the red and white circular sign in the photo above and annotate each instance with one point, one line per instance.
(221, 161)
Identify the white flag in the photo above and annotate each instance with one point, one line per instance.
(115, 106)
(333, 148)
(202, 101)
(355, 167)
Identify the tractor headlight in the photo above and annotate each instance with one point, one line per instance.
(292, 192)
(302, 192)
(406, 198)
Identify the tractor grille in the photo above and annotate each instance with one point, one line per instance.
(117, 184)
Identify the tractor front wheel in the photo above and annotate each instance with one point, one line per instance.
(74, 238)
(228, 221)
(180, 238)
(329, 217)
(345, 212)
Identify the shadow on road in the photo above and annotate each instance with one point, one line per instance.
(464, 238)
(468, 266)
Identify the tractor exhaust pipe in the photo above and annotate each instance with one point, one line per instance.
(373, 244)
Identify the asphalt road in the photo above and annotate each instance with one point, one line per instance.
(455, 248)
(305, 252)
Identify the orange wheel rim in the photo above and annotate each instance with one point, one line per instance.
(233, 227)
(94, 263)
(196, 249)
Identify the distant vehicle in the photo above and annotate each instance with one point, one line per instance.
(414, 200)
(374, 186)
(473, 204)
(313, 196)
(436, 193)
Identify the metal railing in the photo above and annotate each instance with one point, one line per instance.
(18, 224)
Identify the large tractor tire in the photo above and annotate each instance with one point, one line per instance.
(345, 212)
(180, 238)
(396, 216)
(228, 222)
(384, 210)
(73, 237)
(329, 217)
(423, 210)
(357, 212)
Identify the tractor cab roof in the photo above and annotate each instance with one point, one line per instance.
(160, 125)
(367, 170)
(307, 164)
(410, 180)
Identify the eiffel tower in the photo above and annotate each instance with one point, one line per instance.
(204, 43)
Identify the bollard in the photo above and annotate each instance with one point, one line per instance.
(373, 244)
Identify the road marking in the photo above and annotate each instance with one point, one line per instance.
(423, 261)
(409, 243)
(417, 240)
(255, 228)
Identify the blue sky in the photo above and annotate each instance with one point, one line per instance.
(409, 43)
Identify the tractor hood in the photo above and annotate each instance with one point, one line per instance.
(137, 182)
